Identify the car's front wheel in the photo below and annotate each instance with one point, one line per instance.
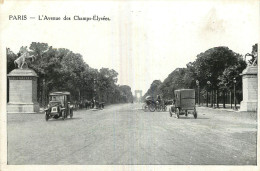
(46, 117)
(71, 113)
(178, 112)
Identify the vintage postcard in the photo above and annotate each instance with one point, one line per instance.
(129, 85)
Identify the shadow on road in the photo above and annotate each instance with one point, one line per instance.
(59, 119)
(191, 118)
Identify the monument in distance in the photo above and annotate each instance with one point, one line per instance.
(22, 87)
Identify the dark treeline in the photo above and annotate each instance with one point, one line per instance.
(63, 70)
(213, 71)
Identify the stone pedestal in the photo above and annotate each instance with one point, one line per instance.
(250, 89)
(22, 91)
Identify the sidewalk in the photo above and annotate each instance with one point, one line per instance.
(227, 112)
(227, 107)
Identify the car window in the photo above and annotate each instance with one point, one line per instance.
(58, 98)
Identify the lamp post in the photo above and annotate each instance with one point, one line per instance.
(94, 96)
(94, 86)
(235, 104)
(198, 84)
(209, 84)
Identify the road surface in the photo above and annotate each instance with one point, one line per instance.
(125, 134)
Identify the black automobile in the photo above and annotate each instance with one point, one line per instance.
(59, 106)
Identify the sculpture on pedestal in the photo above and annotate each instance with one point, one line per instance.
(23, 86)
(250, 86)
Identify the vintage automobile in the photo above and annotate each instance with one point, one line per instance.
(184, 103)
(59, 106)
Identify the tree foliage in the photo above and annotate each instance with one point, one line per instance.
(154, 90)
(218, 65)
(63, 70)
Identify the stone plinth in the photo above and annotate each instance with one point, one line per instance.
(22, 91)
(250, 89)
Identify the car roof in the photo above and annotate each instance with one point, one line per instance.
(60, 93)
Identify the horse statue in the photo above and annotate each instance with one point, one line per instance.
(20, 61)
(254, 59)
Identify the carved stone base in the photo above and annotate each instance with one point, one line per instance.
(22, 91)
(250, 89)
(23, 108)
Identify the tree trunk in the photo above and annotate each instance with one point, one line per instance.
(207, 99)
(217, 99)
(224, 99)
(230, 99)
(211, 98)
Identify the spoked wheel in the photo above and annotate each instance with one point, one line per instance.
(152, 107)
(195, 114)
(145, 107)
(178, 112)
(71, 113)
(46, 117)
(158, 108)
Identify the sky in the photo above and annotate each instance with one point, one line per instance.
(143, 41)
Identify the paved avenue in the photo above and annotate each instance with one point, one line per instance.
(124, 134)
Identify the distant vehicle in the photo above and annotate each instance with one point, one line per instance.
(153, 105)
(59, 106)
(184, 103)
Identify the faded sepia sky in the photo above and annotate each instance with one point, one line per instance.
(143, 41)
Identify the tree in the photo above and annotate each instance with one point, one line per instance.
(175, 80)
(154, 90)
(11, 56)
(211, 64)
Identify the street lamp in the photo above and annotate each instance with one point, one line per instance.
(198, 84)
(235, 81)
(209, 84)
(94, 95)
(94, 86)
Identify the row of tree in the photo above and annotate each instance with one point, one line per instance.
(62, 70)
(213, 70)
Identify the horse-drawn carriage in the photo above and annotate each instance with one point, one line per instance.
(184, 103)
(153, 105)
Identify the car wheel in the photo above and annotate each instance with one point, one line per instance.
(195, 114)
(46, 117)
(178, 112)
(71, 113)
